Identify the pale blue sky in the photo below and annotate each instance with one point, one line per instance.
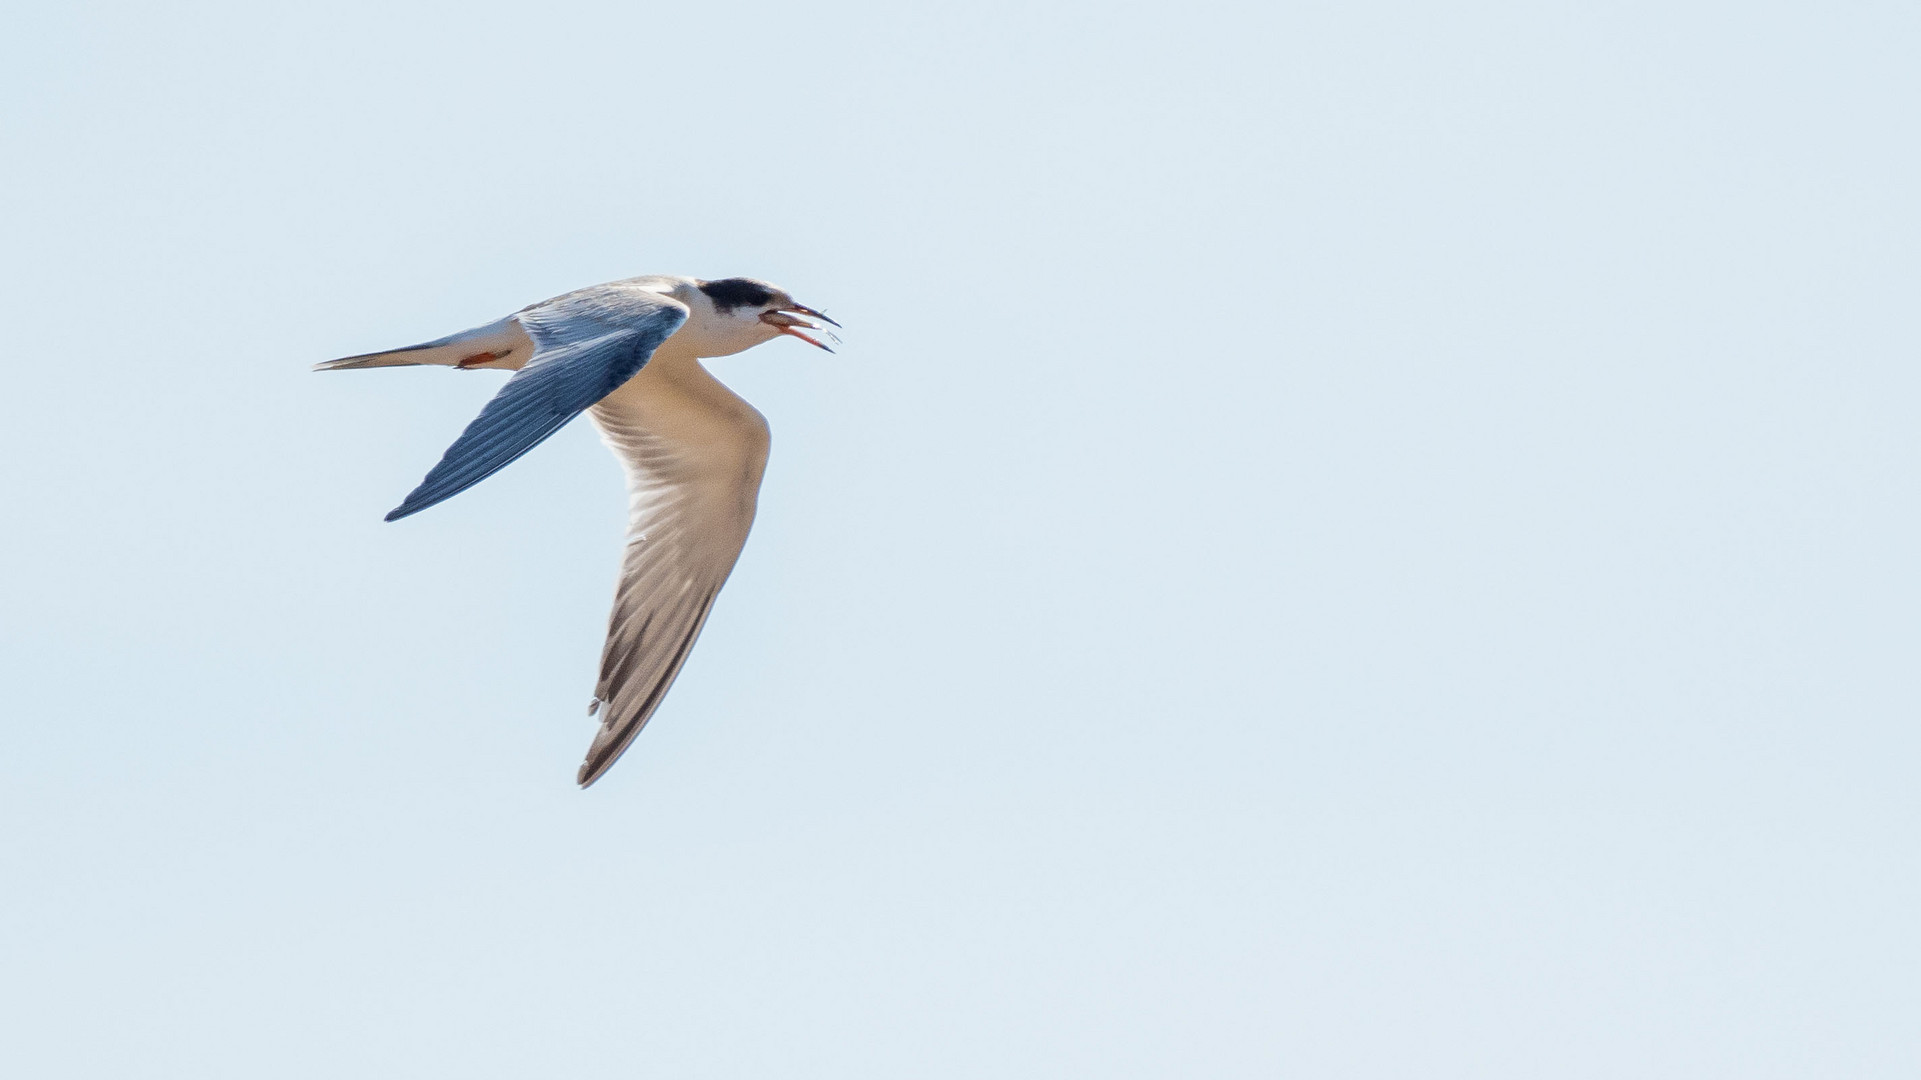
(1348, 540)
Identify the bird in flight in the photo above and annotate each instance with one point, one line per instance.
(628, 354)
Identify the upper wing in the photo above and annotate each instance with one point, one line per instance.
(586, 344)
(694, 459)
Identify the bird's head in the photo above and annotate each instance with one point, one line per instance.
(748, 312)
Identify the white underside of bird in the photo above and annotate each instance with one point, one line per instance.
(628, 354)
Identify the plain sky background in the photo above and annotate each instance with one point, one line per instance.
(1347, 540)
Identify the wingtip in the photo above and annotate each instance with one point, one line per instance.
(596, 765)
(413, 504)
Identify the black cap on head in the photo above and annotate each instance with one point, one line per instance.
(730, 293)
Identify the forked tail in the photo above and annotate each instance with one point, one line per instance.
(500, 344)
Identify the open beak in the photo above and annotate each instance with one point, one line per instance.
(798, 321)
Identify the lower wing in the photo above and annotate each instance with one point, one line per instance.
(691, 504)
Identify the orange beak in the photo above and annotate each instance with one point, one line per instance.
(796, 320)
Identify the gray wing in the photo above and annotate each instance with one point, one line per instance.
(586, 344)
(693, 473)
